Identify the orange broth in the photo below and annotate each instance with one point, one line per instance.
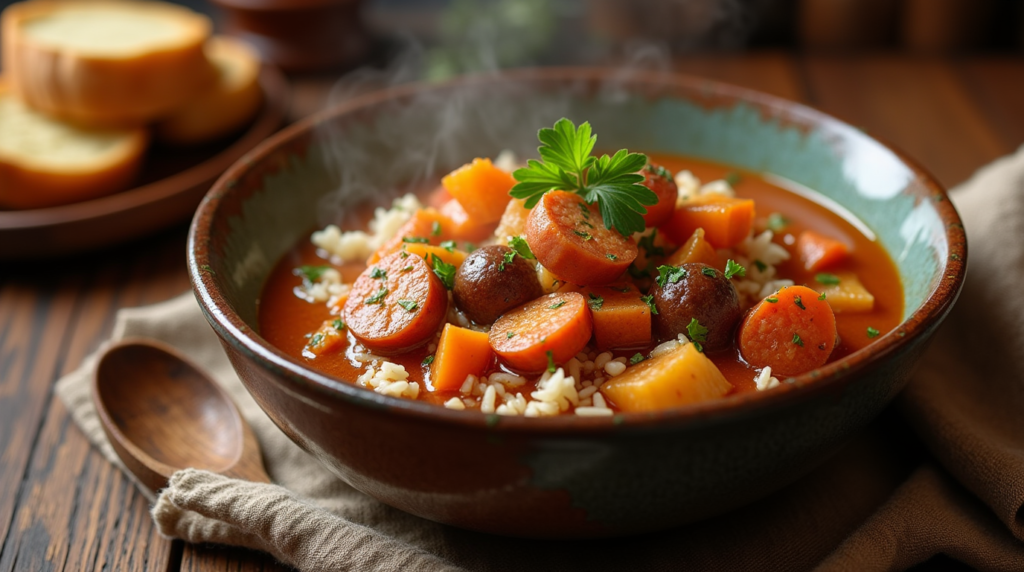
(286, 321)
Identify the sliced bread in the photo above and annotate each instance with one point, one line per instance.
(46, 162)
(105, 62)
(223, 107)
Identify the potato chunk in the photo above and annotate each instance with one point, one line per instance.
(681, 377)
(848, 296)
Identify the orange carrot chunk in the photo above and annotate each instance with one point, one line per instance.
(792, 331)
(569, 238)
(726, 221)
(463, 226)
(540, 334)
(819, 252)
(481, 188)
(460, 353)
(696, 249)
(621, 318)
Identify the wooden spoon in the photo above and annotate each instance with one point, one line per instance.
(162, 413)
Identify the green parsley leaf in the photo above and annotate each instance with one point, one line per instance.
(404, 254)
(378, 273)
(611, 257)
(448, 245)
(582, 234)
(435, 228)
(338, 324)
(659, 171)
(734, 269)
(761, 266)
(376, 298)
(611, 182)
(649, 300)
(518, 244)
(506, 258)
(584, 210)
(409, 305)
(444, 271)
(416, 239)
(771, 299)
(647, 243)
(315, 341)
(637, 358)
(797, 340)
(669, 275)
(873, 333)
(826, 279)
(551, 361)
(821, 296)
(777, 222)
(312, 273)
(697, 334)
(557, 305)
(427, 360)
(509, 335)
(799, 303)
(407, 268)
(708, 271)
(595, 302)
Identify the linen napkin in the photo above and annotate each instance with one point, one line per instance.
(879, 504)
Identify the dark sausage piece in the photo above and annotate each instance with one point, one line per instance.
(703, 293)
(486, 286)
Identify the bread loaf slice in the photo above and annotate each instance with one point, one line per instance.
(104, 62)
(46, 162)
(225, 106)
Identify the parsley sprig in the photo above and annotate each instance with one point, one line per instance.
(611, 182)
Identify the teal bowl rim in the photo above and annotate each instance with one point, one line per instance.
(831, 379)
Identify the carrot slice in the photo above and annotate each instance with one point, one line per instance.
(696, 249)
(460, 353)
(726, 221)
(792, 331)
(396, 304)
(481, 188)
(569, 238)
(621, 318)
(549, 330)
(660, 181)
(426, 226)
(819, 252)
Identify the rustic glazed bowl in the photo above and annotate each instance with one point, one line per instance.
(565, 476)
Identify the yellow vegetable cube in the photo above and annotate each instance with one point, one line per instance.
(849, 295)
(682, 377)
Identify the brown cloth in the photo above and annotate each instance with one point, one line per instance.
(882, 503)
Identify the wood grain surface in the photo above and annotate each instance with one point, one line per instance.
(63, 507)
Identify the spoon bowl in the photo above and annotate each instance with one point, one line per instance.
(162, 413)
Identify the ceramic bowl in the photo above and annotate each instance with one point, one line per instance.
(565, 476)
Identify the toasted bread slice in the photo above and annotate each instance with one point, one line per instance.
(105, 62)
(226, 105)
(47, 162)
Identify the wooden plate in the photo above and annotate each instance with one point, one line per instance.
(172, 183)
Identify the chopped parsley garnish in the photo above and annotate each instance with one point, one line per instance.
(797, 340)
(409, 305)
(506, 258)
(821, 296)
(799, 303)
(659, 171)
(611, 257)
(557, 305)
(649, 300)
(427, 360)
(551, 361)
(637, 358)
(697, 334)
(761, 266)
(873, 333)
(777, 222)
(582, 234)
(404, 254)
(623, 289)
(637, 272)
(407, 268)
(826, 279)
(448, 245)
(733, 178)
(416, 239)
(518, 244)
(313, 273)
(376, 298)
(435, 228)
(338, 324)
(772, 299)
(734, 269)
(509, 335)
(315, 341)
(669, 275)
(378, 273)
(647, 243)
(444, 271)
(595, 302)
(708, 271)
(611, 182)
(584, 210)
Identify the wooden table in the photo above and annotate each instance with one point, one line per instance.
(63, 507)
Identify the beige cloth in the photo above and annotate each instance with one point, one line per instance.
(880, 504)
